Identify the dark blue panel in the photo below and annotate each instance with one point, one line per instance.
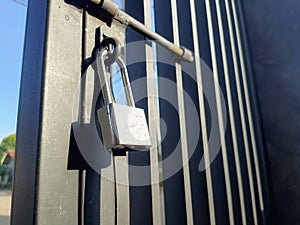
(274, 34)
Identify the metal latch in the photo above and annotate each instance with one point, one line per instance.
(112, 8)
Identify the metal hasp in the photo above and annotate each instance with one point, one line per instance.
(112, 8)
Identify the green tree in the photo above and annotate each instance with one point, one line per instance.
(7, 143)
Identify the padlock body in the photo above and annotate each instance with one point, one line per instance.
(123, 126)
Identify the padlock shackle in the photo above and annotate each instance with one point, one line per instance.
(126, 81)
(103, 77)
(106, 80)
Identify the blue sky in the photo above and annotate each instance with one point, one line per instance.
(12, 23)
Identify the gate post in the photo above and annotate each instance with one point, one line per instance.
(45, 192)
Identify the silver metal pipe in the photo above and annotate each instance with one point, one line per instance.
(112, 8)
(221, 122)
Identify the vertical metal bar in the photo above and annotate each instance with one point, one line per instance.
(183, 136)
(154, 123)
(202, 111)
(81, 178)
(248, 105)
(122, 190)
(231, 112)
(140, 196)
(241, 109)
(219, 110)
(82, 173)
(121, 172)
(92, 179)
(122, 209)
(173, 186)
(107, 196)
(100, 192)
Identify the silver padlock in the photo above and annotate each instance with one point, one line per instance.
(121, 125)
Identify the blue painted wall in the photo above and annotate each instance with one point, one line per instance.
(274, 37)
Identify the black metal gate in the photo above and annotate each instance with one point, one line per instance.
(226, 184)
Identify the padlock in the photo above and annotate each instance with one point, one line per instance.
(122, 126)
